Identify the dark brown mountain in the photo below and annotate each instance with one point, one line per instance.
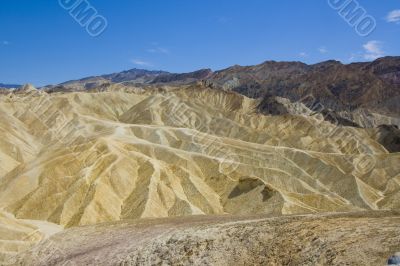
(132, 77)
(184, 78)
(375, 85)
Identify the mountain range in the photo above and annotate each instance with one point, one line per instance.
(338, 86)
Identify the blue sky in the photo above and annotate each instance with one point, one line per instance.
(42, 44)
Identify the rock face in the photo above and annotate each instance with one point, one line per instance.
(184, 78)
(341, 239)
(337, 86)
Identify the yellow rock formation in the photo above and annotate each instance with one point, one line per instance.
(84, 158)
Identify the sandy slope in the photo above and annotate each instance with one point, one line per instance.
(17, 235)
(368, 238)
(84, 158)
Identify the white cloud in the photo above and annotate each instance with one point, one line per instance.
(303, 54)
(358, 56)
(140, 62)
(323, 50)
(353, 57)
(393, 16)
(159, 50)
(373, 50)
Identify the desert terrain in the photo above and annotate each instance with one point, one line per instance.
(80, 167)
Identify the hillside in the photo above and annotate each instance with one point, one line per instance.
(341, 239)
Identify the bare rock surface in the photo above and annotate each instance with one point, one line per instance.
(119, 152)
(366, 238)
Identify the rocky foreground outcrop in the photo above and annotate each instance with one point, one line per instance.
(368, 238)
